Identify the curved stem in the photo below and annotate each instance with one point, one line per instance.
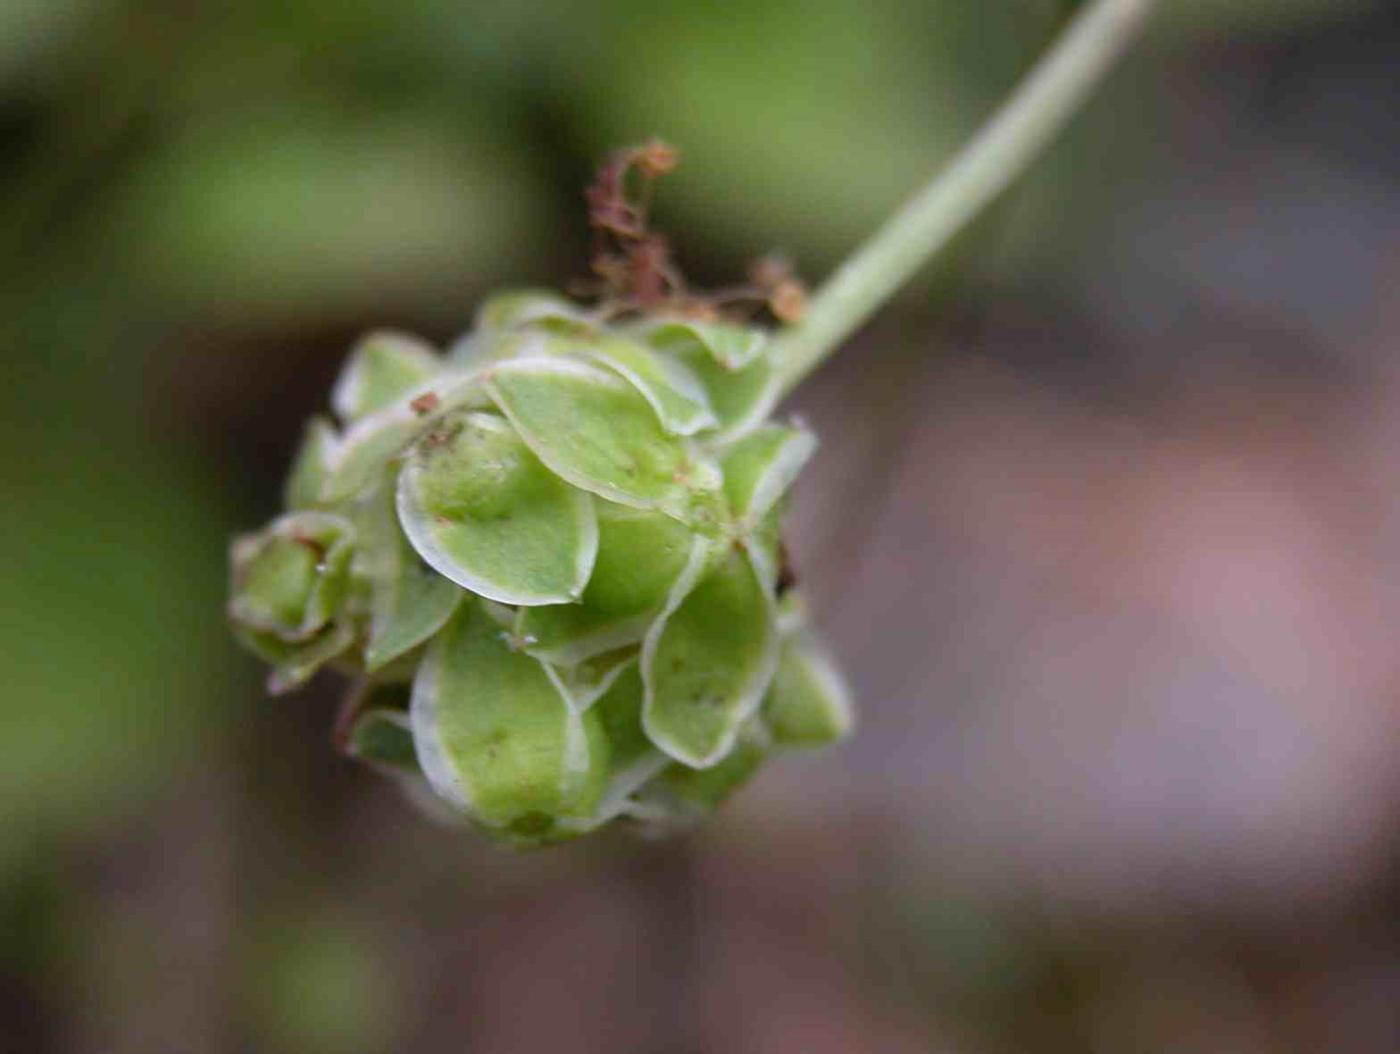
(1042, 104)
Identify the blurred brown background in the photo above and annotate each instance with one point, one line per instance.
(1106, 527)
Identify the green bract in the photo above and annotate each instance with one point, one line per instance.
(550, 559)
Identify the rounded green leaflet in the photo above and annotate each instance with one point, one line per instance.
(808, 703)
(641, 553)
(540, 308)
(279, 576)
(384, 737)
(382, 368)
(582, 684)
(311, 466)
(293, 663)
(759, 468)
(683, 793)
(633, 760)
(596, 431)
(478, 349)
(482, 510)
(708, 659)
(370, 445)
(290, 583)
(732, 347)
(675, 394)
(289, 579)
(620, 710)
(740, 398)
(495, 736)
(765, 546)
(409, 601)
(367, 449)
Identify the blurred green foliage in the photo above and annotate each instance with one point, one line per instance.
(317, 983)
(802, 124)
(250, 217)
(114, 654)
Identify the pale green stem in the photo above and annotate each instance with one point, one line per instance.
(1045, 100)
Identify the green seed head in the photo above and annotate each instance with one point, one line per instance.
(563, 534)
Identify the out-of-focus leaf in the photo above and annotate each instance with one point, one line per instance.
(318, 982)
(687, 792)
(478, 348)
(32, 31)
(733, 347)
(304, 208)
(740, 398)
(384, 737)
(371, 443)
(620, 710)
(708, 659)
(293, 663)
(764, 542)
(311, 466)
(382, 367)
(673, 391)
(120, 658)
(759, 468)
(808, 704)
(481, 509)
(409, 601)
(810, 163)
(514, 309)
